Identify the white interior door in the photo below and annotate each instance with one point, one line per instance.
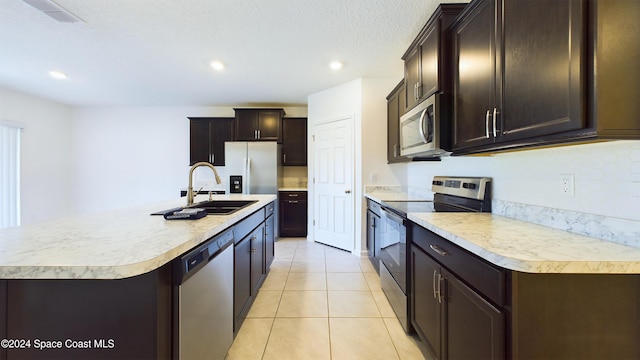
(333, 188)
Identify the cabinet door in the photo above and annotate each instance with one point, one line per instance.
(474, 327)
(294, 141)
(543, 68)
(293, 215)
(257, 258)
(269, 241)
(199, 141)
(241, 280)
(221, 130)
(412, 77)
(426, 310)
(395, 109)
(246, 125)
(269, 125)
(429, 62)
(474, 76)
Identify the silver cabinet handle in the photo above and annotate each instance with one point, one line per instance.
(293, 201)
(293, 195)
(495, 117)
(284, 160)
(434, 283)
(439, 288)
(439, 250)
(419, 91)
(486, 123)
(259, 135)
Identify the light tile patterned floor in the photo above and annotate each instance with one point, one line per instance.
(321, 303)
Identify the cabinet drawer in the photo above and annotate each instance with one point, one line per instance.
(488, 279)
(247, 225)
(373, 206)
(269, 209)
(293, 195)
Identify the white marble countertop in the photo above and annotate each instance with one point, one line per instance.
(526, 247)
(110, 245)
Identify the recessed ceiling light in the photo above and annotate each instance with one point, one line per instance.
(217, 65)
(57, 74)
(335, 65)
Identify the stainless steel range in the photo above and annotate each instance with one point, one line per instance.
(452, 194)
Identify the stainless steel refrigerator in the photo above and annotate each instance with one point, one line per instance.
(258, 164)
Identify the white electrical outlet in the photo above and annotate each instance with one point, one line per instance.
(567, 185)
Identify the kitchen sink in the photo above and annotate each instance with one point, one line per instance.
(214, 207)
(222, 207)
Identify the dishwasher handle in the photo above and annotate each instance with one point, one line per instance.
(191, 262)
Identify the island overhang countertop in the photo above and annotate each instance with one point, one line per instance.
(111, 245)
(526, 247)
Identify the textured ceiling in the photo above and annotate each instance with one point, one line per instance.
(157, 52)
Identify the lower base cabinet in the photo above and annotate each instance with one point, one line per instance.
(464, 307)
(253, 254)
(293, 213)
(455, 321)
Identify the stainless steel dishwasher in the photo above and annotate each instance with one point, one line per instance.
(203, 314)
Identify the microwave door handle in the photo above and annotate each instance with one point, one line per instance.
(421, 126)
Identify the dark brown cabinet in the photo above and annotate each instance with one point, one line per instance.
(524, 73)
(465, 307)
(455, 321)
(207, 138)
(269, 236)
(428, 57)
(395, 109)
(258, 124)
(373, 233)
(249, 263)
(293, 213)
(294, 141)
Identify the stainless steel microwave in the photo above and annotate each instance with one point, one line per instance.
(422, 129)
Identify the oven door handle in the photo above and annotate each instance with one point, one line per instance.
(386, 213)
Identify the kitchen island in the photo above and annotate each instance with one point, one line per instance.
(100, 285)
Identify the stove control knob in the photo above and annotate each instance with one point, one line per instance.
(471, 186)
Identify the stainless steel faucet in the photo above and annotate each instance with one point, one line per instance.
(190, 188)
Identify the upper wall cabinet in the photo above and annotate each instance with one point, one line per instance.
(294, 141)
(207, 137)
(525, 71)
(426, 62)
(259, 124)
(395, 109)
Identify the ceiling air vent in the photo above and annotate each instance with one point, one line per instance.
(53, 10)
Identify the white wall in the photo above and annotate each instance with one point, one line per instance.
(45, 177)
(607, 176)
(125, 156)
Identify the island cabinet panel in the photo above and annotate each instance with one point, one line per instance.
(269, 236)
(465, 307)
(250, 266)
(91, 319)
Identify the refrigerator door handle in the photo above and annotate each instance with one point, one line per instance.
(247, 183)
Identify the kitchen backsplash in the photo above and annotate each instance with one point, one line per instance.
(294, 177)
(527, 185)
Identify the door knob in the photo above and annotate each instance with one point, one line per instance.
(347, 191)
